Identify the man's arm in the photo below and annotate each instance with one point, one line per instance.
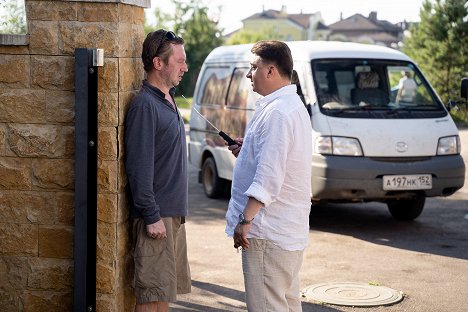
(240, 233)
(139, 164)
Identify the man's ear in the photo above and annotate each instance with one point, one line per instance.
(270, 69)
(157, 62)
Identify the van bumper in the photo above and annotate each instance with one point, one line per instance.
(341, 178)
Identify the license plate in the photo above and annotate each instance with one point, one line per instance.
(407, 182)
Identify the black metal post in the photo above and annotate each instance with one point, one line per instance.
(86, 126)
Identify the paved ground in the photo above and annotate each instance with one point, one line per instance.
(426, 259)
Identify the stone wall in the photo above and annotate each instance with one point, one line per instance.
(37, 152)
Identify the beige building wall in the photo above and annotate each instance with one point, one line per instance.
(283, 27)
(37, 152)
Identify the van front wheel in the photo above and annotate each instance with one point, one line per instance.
(407, 209)
(213, 185)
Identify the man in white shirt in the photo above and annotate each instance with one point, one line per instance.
(406, 88)
(268, 214)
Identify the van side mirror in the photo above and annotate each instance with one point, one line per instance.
(464, 89)
(463, 94)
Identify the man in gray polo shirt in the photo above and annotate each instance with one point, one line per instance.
(156, 166)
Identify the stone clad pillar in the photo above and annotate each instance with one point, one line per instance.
(37, 152)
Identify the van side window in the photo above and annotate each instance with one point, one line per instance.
(214, 86)
(240, 93)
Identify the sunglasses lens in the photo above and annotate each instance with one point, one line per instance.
(170, 35)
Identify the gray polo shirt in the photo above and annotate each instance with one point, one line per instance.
(155, 157)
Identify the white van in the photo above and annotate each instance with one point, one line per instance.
(373, 141)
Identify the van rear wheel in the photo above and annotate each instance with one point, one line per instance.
(407, 209)
(213, 185)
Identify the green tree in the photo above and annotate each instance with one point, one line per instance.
(439, 45)
(200, 32)
(12, 17)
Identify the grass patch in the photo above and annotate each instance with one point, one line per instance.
(183, 103)
(460, 116)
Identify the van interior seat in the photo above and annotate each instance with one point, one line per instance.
(368, 90)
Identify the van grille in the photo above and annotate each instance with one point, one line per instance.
(400, 159)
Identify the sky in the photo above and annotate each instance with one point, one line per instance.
(234, 11)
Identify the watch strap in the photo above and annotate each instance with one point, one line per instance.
(243, 220)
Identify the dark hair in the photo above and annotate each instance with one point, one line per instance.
(158, 43)
(276, 52)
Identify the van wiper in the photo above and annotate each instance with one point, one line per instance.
(424, 107)
(339, 111)
(363, 108)
(414, 108)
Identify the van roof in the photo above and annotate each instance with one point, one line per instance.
(308, 50)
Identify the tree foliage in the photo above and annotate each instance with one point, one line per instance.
(201, 33)
(439, 45)
(12, 17)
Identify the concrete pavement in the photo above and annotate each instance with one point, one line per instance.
(426, 259)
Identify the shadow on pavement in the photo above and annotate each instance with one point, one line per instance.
(221, 292)
(440, 229)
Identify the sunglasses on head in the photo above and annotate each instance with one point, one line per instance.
(169, 36)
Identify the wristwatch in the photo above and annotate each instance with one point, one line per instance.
(243, 221)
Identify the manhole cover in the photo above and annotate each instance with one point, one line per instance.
(352, 294)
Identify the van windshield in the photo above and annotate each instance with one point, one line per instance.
(362, 88)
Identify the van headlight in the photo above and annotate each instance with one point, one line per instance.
(342, 146)
(449, 145)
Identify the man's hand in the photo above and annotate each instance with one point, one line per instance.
(240, 236)
(235, 149)
(156, 230)
(241, 230)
